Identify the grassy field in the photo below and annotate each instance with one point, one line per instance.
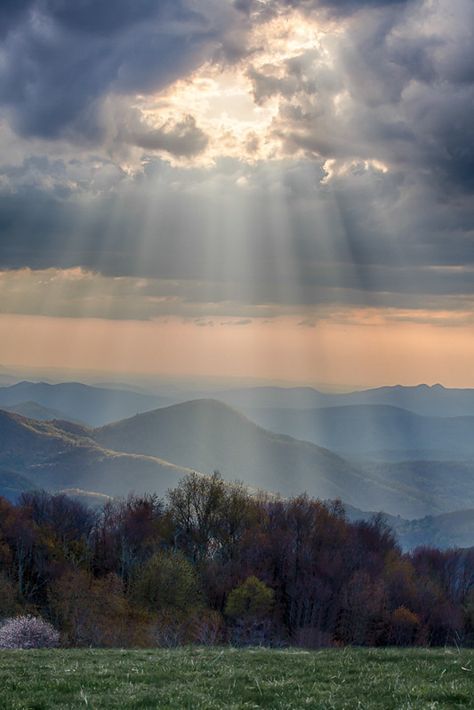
(226, 678)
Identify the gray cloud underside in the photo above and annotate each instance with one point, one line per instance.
(405, 77)
(60, 58)
(369, 233)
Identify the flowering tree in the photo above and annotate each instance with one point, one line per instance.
(28, 632)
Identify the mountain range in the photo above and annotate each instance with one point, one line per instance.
(434, 400)
(93, 405)
(99, 405)
(150, 451)
(209, 435)
(444, 531)
(139, 453)
(374, 429)
(418, 469)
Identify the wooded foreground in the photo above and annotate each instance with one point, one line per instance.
(213, 565)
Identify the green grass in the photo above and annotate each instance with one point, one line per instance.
(226, 678)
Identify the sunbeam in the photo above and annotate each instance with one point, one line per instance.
(238, 235)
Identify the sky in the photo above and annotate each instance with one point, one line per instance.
(270, 189)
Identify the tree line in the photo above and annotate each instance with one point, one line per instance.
(214, 564)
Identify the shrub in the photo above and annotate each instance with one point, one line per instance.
(95, 612)
(249, 606)
(404, 625)
(166, 582)
(250, 601)
(173, 628)
(206, 628)
(28, 632)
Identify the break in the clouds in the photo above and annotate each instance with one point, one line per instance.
(244, 159)
(61, 59)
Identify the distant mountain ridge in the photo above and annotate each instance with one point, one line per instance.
(434, 400)
(99, 405)
(93, 405)
(358, 429)
(150, 452)
(444, 531)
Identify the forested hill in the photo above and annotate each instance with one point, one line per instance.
(212, 564)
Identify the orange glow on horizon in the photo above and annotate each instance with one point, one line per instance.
(279, 349)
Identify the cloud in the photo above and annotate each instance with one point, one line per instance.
(60, 59)
(182, 138)
(342, 6)
(399, 88)
(264, 9)
(11, 13)
(364, 237)
(347, 179)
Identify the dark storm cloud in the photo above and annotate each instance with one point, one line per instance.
(374, 204)
(264, 10)
(406, 79)
(61, 58)
(341, 6)
(11, 13)
(102, 16)
(360, 239)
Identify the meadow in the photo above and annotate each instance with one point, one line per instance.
(215, 677)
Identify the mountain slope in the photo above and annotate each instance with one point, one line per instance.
(54, 458)
(152, 451)
(209, 435)
(68, 460)
(13, 484)
(455, 529)
(445, 486)
(93, 405)
(360, 429)
(33, 410)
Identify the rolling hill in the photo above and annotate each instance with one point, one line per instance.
(33, 410)
(209, 435)
(150, 452)
(445, 486)
(367, 429)
(43, 455)
(444, 531)
(93, 405)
